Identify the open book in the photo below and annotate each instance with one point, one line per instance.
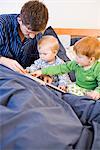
(43, 83)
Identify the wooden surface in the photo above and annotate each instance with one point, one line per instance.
(78, 32)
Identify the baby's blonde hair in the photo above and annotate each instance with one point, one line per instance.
(53, 42)
(88, 46)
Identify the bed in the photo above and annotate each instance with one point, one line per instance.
(34, 117)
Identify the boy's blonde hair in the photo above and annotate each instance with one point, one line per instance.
(51, 40)
(88, 46)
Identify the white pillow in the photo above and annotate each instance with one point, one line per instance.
(65, 40)
(70, 53)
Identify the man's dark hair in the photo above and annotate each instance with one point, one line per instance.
(35, 15)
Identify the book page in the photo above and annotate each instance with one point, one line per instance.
(55, 87)
(35, 79)
(43, 83)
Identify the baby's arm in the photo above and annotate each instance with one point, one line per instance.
(64, 80)
(95, 94)
(35, 66)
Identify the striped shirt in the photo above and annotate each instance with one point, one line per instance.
(10, 43)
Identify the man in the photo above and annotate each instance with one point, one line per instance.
(18, 35)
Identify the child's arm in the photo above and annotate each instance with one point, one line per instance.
(64, 80)
(97, 89)
(35, 66)
(55, 70)
(60, 69)
(93, 94)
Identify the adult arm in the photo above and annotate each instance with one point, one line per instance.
(4, 57)
(12, 64)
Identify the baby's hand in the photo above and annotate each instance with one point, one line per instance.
(93, 94)
(47, 79)
(63, 87)
(37, 73)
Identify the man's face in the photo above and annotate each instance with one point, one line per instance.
(26, 31)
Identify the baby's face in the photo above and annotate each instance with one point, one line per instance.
(82, 60)
(46, 53)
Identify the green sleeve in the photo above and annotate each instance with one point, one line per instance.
(60, 69)
(97, 72)
(98, 87)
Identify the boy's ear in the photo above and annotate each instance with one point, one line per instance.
(92, 59)
(19, 20)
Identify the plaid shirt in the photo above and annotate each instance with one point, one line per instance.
(58, 79)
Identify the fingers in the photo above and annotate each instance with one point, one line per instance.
(47, 79)
(34, 74)
(12, 64)
(19, 68)
(26, 71)
(37, 73)
(63, 88)
(94, 95)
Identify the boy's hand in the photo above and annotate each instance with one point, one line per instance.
(47, 79)
(37, 73)
(63, 87)
(93, 94)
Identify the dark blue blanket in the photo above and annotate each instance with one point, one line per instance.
(88, 111)
(35, 118)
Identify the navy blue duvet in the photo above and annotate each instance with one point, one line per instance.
(32, 117)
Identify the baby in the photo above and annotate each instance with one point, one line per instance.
(48, 48)
(86, 67)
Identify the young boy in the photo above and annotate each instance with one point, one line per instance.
(86, 67)
(48, 48)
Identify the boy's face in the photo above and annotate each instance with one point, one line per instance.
(46, 53)
(82, 60)
(25, 30)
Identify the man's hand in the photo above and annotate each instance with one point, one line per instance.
(37, 73)
(93, 94)
(12, 64)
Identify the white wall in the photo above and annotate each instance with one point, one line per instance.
(63, 13)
